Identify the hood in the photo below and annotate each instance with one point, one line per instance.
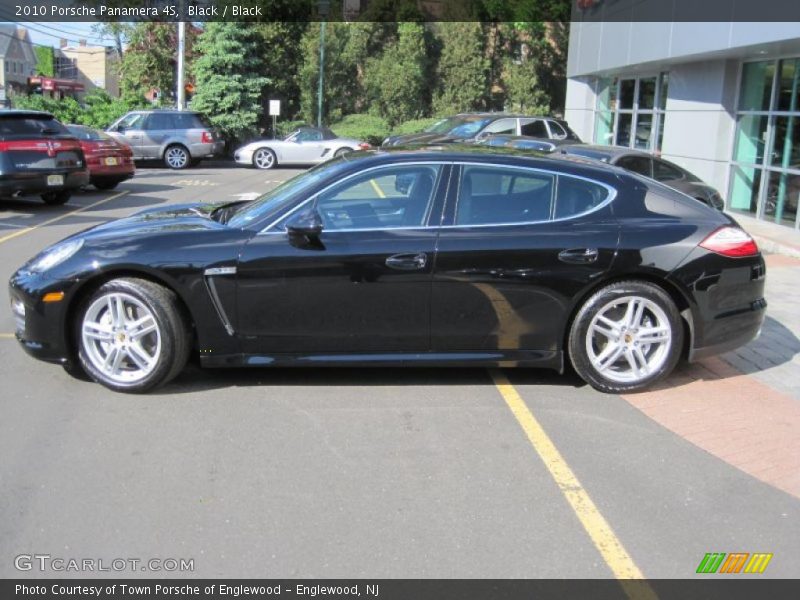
(183, 217)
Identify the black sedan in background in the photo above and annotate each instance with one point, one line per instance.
(450, 256)
(648, 165)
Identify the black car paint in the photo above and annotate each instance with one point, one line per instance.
(486, 295)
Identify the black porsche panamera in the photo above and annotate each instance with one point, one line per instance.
(437, 257)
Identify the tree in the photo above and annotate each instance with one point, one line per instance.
(395, 83)
(45, 61)
(463, 72)
(149, 61)
(283, 52)
(229, 77)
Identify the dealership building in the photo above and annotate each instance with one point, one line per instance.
(721, 99)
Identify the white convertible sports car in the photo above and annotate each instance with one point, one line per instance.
(306, 146)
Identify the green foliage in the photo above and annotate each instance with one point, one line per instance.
(67, 110)
(283, 52)
(395, 83)
(463, 72)
(229, 78)
(414, 126)
(148, 62)
(44, 61)
(284, 128)
(369, 128)
(523, 93)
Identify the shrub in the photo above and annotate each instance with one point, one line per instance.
(413, 126)
(368, 128)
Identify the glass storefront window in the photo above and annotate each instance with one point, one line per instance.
(644, 127)
(627, 90)
(647, 93)
(786, 147)
(662, 96)
(744, 190)
(751, 137)
(783, 190)
(624, 125)
(756, 86)
(604, 128)
(789, 86)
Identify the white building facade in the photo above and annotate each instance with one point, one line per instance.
(721, 99)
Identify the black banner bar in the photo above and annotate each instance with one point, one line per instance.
(711, 587)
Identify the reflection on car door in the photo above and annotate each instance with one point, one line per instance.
(306, 147)
(516, 247)
(157, 129)
(364, 285)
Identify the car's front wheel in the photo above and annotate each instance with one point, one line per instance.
(342, 152)
(625, 337)
(264, 158)
(132, 335)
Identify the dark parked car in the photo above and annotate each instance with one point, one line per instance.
(657, 168)
(475, 126)
(455, 256)
(38, 156)
(110, 162)
(522, 142)
(178, 138)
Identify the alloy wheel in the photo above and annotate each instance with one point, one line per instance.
(629, 339)
(264, 159)
(121, 337)
(176, 157)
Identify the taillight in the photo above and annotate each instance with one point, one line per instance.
(206, 138)
(364, 146)
(730, 241)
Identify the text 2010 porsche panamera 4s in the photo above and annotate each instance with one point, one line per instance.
(448, 256)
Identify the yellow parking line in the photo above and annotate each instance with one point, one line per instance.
(20, 232)
(606, 542)
(377, 188)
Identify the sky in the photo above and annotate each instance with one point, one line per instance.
(49, 33)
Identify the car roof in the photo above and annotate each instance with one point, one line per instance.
(607, 151)
(503, 115)
(12, 112)
(488, 154)
(171, 111)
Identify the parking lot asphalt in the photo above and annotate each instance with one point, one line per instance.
(391, 472)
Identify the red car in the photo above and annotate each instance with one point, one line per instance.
(110, 162)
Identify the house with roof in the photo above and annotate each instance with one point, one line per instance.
(17, 60)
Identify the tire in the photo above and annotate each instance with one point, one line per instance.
(264, 158)
(177, 157)
(624, 310)
(106, 184)
(56, 198)
(342, 152)
(124, 356)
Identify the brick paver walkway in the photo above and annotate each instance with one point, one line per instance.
(744, 407)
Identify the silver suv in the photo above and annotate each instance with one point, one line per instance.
(179, 138)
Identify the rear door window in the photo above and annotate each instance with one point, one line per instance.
(160, 122)
(490, 195)
(502, 126)
(535, 128)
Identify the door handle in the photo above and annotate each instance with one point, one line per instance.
(407, 262)
(135, 137)
(579, 256)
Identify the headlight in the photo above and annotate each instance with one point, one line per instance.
(55, 255)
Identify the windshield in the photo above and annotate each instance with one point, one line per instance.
(459, 126)
(276, 200)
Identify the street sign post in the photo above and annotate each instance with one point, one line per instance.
(274, 111)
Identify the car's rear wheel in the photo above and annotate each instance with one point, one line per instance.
(264, 158)
(132, 335)
(177, 157)
(56, 198)
(626, 337)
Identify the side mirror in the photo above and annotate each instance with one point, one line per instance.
(307, 224)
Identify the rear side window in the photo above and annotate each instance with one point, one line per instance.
(577, 196)
(497, 195)
(637, 164)
(557, 131)
(30, 126)
(663, 171)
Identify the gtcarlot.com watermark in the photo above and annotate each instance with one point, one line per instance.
(56, 564)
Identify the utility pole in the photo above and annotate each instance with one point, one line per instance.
(180, 95)
(324, 6)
